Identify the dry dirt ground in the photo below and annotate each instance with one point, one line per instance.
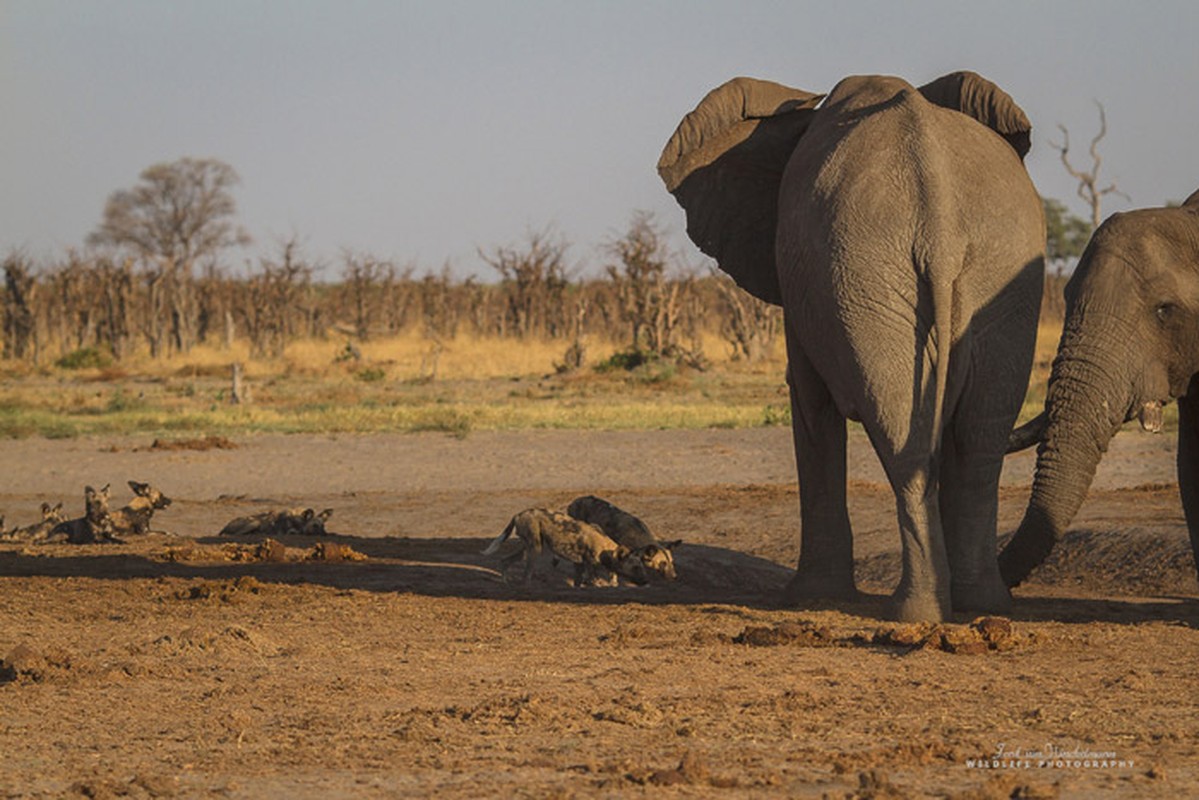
(186, 665)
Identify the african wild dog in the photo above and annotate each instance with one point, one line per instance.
(626, 529)
(553, 534)
(38, 531)
(94, 526)
(134, 518)
(292, 521)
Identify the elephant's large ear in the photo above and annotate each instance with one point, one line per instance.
(977, 97)
(724, 165)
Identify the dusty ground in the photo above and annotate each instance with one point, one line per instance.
(163, 667)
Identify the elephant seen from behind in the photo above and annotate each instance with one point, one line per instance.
(899, 230)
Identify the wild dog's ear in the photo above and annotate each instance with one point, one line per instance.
(724, 165)
(307, 514)
(104, 491)
(975, 96)
(46, 508)
(672, 545)
(139, 489)
(57, 506)
(324, 515)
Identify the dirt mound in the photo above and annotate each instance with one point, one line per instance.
(1126, 561)
(201, 444)
(1132, 562)
(35, 663)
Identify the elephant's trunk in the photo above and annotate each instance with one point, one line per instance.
(1088, 400)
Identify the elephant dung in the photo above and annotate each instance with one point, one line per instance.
(799, 633)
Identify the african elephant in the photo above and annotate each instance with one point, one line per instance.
(898, 229)
(1129, 344)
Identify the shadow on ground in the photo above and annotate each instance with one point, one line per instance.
(1126, 577)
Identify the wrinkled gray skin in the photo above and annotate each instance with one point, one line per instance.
(898, 229)
(1129, 345)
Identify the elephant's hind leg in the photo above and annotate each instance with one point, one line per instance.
(826, 541)
(972, 461)
(924, 592)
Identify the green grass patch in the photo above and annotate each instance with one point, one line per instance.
(85, 358)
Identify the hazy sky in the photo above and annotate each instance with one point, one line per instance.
(422, 131)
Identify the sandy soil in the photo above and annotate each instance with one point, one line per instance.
(184, 665)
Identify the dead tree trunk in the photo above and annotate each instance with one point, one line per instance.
(1088, 182)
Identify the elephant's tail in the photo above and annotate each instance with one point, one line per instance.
(943, 333)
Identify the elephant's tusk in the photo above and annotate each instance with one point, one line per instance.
(1151, 417)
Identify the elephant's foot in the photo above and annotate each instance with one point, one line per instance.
(808, 585)
(989, 597)
(912, 607)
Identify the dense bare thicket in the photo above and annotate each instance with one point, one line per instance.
(106, 310)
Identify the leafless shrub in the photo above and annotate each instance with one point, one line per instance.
(270, 306)
(649, 301)
(534, 280)
(20, 325)
(748, 324)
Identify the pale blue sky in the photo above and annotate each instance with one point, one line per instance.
(421, 131)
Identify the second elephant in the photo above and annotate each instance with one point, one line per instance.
(899, 230)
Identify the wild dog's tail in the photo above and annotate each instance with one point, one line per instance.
(499, 540)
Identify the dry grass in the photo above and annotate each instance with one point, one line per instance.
(409, 384)
(402, 384)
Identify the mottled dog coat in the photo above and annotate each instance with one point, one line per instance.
(292, 521)
(626, 529)
(52, 516)
(94, 526)
(556, 535)
(134, 518)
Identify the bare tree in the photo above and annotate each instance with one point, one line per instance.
(20, 326)
(750, 325)
(365, 278)
(1088, 182)
(535, 280)
(179, 213)
(650, 301)
(271, 304)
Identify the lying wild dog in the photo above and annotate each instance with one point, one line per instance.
(38, 531)
(557, 535)
(134, 518)
(626, 529)
(292, 521)
(94, 526)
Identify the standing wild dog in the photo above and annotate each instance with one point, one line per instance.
(134, 518)
(94, 526)
(626, 529)
(587, 547)
(38, 531)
